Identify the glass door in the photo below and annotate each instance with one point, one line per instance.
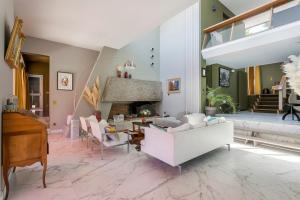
(35, 91)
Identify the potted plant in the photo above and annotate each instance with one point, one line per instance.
(216, 99)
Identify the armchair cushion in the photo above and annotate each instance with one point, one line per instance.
(122, 139)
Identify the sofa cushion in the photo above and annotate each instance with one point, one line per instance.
(214, 120)
(183, 127)
(195, 119)
(167, 122)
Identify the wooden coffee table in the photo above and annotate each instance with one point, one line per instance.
(137, 135)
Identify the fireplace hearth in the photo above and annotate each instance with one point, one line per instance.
(133, 110)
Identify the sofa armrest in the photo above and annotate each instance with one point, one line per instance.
(159, 144)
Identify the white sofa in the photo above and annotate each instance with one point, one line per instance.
(179, 147)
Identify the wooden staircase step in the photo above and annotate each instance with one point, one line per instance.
(268, 99)
(269, 95)
(267, 102)
(260, 106)
(265, 110)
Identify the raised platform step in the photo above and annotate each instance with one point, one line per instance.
(257, 140)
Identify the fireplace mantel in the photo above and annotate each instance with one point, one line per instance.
(131, 90)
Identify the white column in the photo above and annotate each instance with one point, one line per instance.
(192, 72)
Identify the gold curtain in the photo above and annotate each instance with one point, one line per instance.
(257, 80)
(21, 86)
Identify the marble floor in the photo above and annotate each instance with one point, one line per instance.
(75, 172)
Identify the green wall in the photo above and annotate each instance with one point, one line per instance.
(269, 74)
(213, 82)
(209, 18)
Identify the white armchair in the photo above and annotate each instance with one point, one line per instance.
(84, 131)
(98, 131)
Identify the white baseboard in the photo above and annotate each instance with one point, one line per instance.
(53, 131)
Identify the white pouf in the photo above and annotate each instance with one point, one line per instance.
(74, 129)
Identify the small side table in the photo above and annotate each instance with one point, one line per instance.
(138, 135)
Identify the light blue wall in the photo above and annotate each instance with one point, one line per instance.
(109, 58)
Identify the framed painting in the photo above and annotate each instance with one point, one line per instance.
(224, 77)
(65, 81)
(16, 41)
(174, 85)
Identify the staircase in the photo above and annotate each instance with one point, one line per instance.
(266, 103)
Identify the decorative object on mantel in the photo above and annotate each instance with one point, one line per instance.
(92, 95)
(119, 72)
(126, 75)
(174, 85)
(216, 102)
(129, 64)
(292, 72)
(13, 52)
(65, 81)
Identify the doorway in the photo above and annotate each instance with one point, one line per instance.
(37, 68)
(35, 93)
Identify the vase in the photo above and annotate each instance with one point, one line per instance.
(97, 113)
(210, 111)
(119, 74)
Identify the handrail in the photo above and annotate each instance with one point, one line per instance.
(281, 88)
(245, 15)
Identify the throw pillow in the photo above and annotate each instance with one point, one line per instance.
(195, 118)
(214, 120)
(167, 122)
(183, 127)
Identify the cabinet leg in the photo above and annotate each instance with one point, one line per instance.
(228, 147)
(44, 173)
(179, 169)
(5, 178)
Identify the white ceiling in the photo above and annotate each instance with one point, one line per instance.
(240, 6)
(95, 23)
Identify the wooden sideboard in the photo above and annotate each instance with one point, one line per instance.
(24, 143)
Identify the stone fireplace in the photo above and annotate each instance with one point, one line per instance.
(131, 97)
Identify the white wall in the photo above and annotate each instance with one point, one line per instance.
(6, 24)
(67, 59)
(6, 77)
(179, 58)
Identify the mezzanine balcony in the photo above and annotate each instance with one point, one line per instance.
(267, 34)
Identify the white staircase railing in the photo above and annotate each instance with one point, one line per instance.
(281, 88)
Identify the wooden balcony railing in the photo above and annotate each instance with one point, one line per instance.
(239, 18)
(269, 6)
